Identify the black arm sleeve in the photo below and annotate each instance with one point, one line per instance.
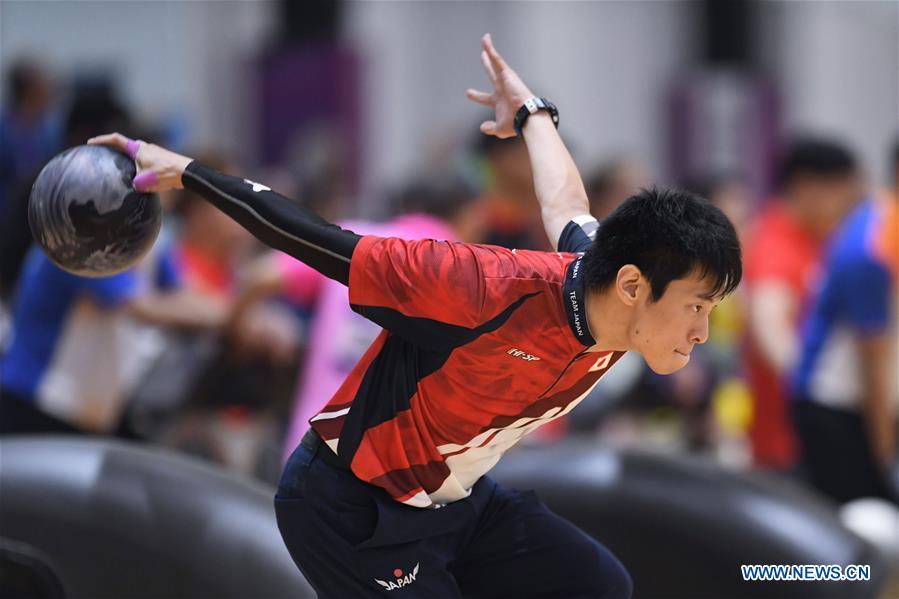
(277, 221)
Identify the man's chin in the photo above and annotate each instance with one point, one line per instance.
(670, 367)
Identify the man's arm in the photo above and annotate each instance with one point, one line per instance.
(180, 309)
(772, 312)
(880, 420)
(861, 290)
(431, 293)
(560, 190)
(557, 182)
(277, 221)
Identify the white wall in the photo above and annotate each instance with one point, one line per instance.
(181, 57)
(605, 64)
(608, 66)
(837, 64)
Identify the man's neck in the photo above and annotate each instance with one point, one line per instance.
(608, 320)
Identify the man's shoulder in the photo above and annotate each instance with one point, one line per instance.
(533, 265)
(851, 245)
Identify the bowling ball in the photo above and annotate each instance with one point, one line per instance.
(85, 214)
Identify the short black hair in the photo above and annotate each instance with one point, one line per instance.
(601, 180)
(94, 108)
(20, 79)
(440, 195)
(709, 183)
(489, 145)
(667, 233)
(815, 156)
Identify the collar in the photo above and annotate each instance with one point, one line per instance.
(575, 302)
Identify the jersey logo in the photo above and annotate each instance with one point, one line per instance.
(601, 363)
(400, 580)
(257, 187)
(522, 354)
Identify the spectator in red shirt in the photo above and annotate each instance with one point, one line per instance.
(819, 184)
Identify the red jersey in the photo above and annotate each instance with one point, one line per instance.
(481, 346)
(778, 250)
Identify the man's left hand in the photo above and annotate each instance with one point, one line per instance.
(509, 92)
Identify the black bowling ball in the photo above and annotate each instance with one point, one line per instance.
(85, 214)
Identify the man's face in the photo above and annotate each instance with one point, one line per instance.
(665, 331)
(823, 201)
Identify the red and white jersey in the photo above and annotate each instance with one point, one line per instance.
(481, 345)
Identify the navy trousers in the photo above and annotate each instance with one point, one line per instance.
(350, 539)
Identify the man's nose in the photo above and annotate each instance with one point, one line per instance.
(701, 333)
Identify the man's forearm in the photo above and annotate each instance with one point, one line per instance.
(276, 220)
(876, 405)
(772, 306)
(182, 309)
(557, 182)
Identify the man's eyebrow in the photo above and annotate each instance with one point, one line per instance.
(709, 296)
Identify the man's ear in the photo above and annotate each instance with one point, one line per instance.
(628, 284)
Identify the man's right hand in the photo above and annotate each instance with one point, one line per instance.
(509, 92)
(158, 169)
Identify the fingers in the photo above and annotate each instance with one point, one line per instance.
(142, 182)
(480, 97)
(490, 128)
(485, 61)
(119, 142)
(116, 140)
(132, 147)
(496, 61)
(145, 181)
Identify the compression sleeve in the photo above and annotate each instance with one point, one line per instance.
(277, 221)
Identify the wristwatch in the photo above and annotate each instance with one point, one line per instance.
(532, 105)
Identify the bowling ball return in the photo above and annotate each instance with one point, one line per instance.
(104, 518)
(119, 520)
(683, 527)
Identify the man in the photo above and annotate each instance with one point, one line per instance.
(845, 387)
(512, 211)
(29, 126)
(818, 184)
(77, 351)
(481, 345)
(612, 182)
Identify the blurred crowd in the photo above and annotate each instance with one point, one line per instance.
(217, 346)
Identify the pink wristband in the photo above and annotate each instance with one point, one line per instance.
(132, 147)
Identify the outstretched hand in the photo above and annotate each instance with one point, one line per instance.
(158, 169)
(509, 92)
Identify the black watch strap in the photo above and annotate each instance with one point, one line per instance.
(531, 106)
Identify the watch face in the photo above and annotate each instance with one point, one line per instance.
(530, 106)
